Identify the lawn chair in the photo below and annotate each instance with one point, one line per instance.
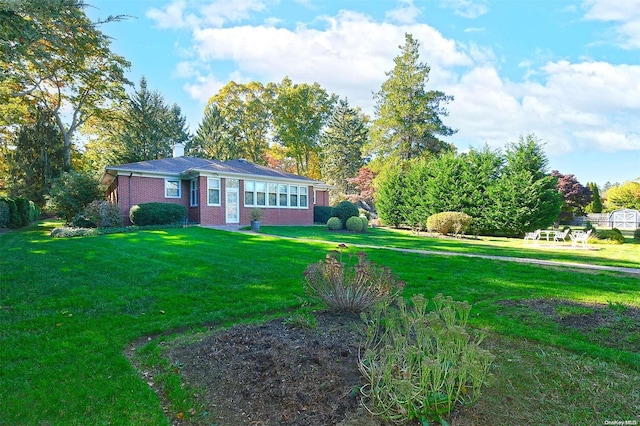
(532, 236)
(561, 235)
(580, 237)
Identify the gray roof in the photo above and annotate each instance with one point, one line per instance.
(192, 165)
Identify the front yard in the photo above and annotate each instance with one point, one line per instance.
(69, 309)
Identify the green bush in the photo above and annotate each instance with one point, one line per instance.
(609, 236)
(157, 214)
(13, 219)
(365, 223)
(67, 232)
(98, 214)
(449, 223)
(354, 288)
(4, 213)
(71, 193)
(636, 234)
(34, 212)
(22, 205)
(418, 365)
(354, 224)
(334, 224)
(321, 214)
(344, 210)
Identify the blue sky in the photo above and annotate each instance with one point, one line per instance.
(567, 71)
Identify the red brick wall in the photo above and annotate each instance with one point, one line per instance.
(136, 190)
(322, 198)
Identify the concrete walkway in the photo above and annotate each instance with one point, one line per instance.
(632, 271)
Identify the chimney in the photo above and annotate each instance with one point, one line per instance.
(178, 150)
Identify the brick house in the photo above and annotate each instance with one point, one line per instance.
(216, 192)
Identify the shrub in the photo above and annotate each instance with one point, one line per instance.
(344, 287)
(13, 218)
(344, 210)
(418, 365)
(321, 214)
(157, 214)
(67, 232)
(354, 224)
(4, 213)
(98, 214)
(613, 236)
(636, 234)
(71, 193)
(34, 212)
(334, 224)
(365, 223)
(449, 223)
(22, 205)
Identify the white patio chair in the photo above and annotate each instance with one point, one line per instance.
(532, 236)
(580, 237)
(558, 236)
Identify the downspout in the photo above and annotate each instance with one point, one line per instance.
(129, 181)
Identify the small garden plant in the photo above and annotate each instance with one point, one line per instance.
(344, 286)
(419, 364)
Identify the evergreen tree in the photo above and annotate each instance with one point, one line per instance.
(212, 139)
(341, 146)
(408, 117)
(36, 158)
(524, 196)
(596, 204)
(390, 198)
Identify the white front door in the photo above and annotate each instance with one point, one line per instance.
(232, 201)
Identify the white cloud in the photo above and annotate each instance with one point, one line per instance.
(466, 8)
(204, 87)
(348, 56)
(405, 14)
(172, 16)
(623, 14)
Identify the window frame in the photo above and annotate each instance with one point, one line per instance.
(167, 188)
(194, 193)
(210, 188)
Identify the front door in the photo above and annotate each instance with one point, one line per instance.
(232, 201)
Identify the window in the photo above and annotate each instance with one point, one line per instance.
(249, 192)
(194, 193)
(261, 194)
(213, 191)
(282, 193)
(304, 197)
(273, 194)
(172, 188)
(293, 196)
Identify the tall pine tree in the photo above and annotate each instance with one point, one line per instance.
(408, 116)
(341, 146)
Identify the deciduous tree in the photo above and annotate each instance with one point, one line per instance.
(299, 112)
(575, 197)
(56, 58)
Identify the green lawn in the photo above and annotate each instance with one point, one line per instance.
(70, 307)
(621, 255)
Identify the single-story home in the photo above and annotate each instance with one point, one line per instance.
(216, 192)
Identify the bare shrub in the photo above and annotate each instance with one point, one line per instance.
(345, 287)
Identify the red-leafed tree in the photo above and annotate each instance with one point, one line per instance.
(363, 182)
(575, 196)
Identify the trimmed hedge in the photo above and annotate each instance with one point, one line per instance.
(321, 214)
(365, 223)
(17, 212)
(610, 235)
(157, 214)
(344, 210)
(449, 223)
(354, 224)
(334, 223)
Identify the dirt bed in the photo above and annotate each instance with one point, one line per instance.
(277, 374)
